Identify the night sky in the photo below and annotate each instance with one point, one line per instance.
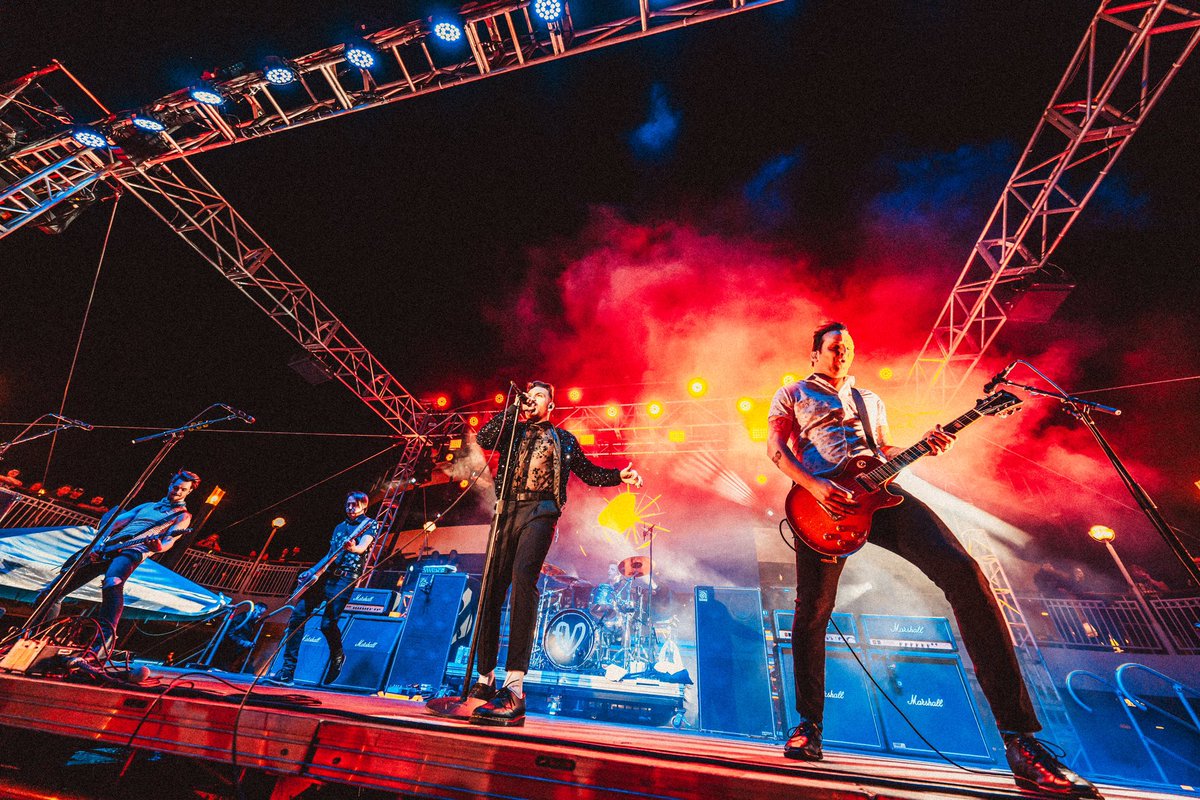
(864, 140)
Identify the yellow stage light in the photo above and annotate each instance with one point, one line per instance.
(886, 373)
(654, 409)
(789, 378)
(575, 394)
(677, 436)
(760, 479)
(745, 405)
(697, 387)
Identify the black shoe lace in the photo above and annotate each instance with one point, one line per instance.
(1034, 744)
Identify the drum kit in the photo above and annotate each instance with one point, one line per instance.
(591, 629)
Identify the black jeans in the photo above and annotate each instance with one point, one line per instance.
(913, 532)
(112, 594)
(332, 590)
(524, 533)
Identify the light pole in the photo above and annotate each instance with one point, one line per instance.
(276, 524)
(211, 502)
(1105, 535)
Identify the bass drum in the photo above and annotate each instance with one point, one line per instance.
(570, 640)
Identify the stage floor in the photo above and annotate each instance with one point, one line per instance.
(394, 746)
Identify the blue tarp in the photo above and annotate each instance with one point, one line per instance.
(31, 557)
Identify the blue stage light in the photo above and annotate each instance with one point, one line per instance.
(447, 31)
(359, 54)
(147, 123)
(548, 10)
(207, 94)
(278, 71)
(89, 137)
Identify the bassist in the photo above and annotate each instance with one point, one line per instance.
(340, 570)
(815, 427)
(116, 562)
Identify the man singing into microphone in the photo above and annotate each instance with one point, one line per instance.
(531, 489)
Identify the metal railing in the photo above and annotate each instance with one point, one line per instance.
(19, 510)
(1116, 623)
(1180, 617)
(231, 573)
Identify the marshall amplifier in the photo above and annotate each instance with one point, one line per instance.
(369, 642)
(314, 653)
(372, 601)
(439, 607)
(911, 634)
(845, 623)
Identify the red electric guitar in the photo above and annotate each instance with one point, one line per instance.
(866, 477)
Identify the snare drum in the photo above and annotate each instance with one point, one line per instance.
(569, 640)
(603, 600)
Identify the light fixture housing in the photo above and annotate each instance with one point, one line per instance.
(548, 10)
(147, 123)
(447, 31)
(89, 137)
(358, 53)
(207, 93)
(278, 72)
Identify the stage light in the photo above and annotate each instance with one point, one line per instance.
(441, 401)
(586, 438)
(89, 137)
(147, 123)
(278, 523)
(473, 421)
(278, 71)
(654, 409)
(697, 387)
(1102, 533)
(745, 405)
(464, 483)
(789, 378)
(760, 479)
(886, 373)
(429, 527)
(575, 394)
(498, 399)
(449, 456)
(218, 494)
(447, 31)
(359, 54)
(612, 410)
(677, 436)
(548, 10)
(207, 94)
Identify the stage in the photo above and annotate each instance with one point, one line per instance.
(288, 739)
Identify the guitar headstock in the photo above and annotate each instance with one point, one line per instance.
(998, 404)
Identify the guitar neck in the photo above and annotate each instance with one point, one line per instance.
(896, 463)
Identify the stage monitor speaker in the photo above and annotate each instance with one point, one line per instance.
(369, 642)
(731, 662)
(435, 616)
(850, 716)
(372, 601)
(314, 654)
(932, 692)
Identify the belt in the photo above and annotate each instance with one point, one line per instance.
(341, 572)
(533, 496)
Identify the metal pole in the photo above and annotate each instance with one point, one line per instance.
(254, 567)
(1159, 631)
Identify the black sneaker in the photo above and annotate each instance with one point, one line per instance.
(283, 677)
(455, 707)
(804, 742)
(1037, 769)
(335, 666)
(504, 709)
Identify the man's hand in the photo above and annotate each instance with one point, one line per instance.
(630, 475)
(348, 544)
(939, 440)
(837, 499)
(304, 576)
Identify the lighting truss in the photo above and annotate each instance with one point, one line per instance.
(1114, 80)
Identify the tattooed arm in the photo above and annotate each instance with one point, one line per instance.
(830, 494)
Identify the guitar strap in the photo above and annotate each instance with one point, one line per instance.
(865, 419)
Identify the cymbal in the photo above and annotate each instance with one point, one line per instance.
(552, 571)
(635, 566)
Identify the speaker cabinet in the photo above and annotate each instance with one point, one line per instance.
(435, 616)
(851, 719)
(369, 642)
(314, 653)
(731, 662)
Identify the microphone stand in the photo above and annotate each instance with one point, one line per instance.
(173, 436)
(490, 554)
(1081, 410)
(22, 438)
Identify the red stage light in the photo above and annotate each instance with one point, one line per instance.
(575, 394)
(498, 399)
(464, 484)
(473, 421)
(441, 401)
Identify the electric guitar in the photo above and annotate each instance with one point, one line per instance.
(310, 576)
(837, 535)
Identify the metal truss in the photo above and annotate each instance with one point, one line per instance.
(1129, 55)
(194, 209)
(48, 183)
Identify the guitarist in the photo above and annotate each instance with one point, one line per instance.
(815, 426)
(118, 564)
(343, 566)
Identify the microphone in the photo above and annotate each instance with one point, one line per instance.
(999, 378)
(75, 422)
(520, 394)
(242, 415)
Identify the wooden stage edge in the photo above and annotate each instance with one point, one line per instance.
(394, 746)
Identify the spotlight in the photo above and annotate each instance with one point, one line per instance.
(760, 479)
(575, 394)
(789, 378)
(464, 483)
(548, 10)
(207, 93)
(498, 399)
(441, 401)
(360, 54)
(612, 410)
(1102, 533)
(745, 405)
(697, 387)
(89, 137)
(278, 71)
(473, 421)
(654, 409)
(447, 31)
(147, 123)
(886, 374)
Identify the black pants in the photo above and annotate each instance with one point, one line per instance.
(112, 594)
(913, 532)
(523, 536)
(332, 590)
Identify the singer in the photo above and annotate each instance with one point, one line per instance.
(348, 548)
(814, 427)
(532, 480)
(118, 563)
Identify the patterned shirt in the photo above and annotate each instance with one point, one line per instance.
(535, 459)
(826, 430)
